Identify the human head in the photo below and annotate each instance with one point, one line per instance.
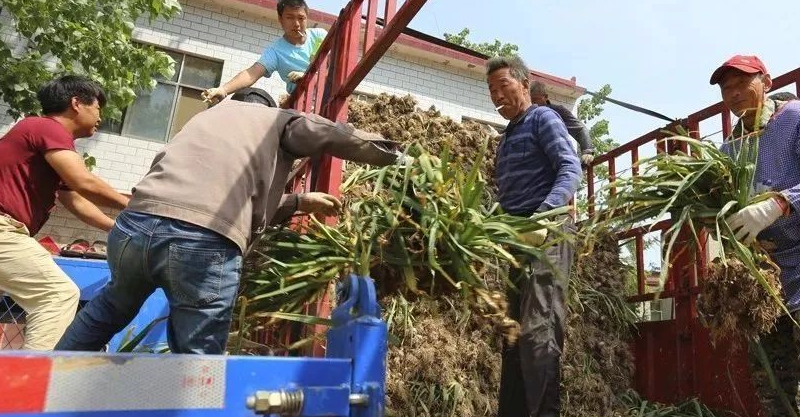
(744, 82)
(75, 98)
(507, 78)
(538, 93)
(254, 95)
(783, 96)
(293, 15)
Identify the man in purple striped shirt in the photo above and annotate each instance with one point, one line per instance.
(536, 170)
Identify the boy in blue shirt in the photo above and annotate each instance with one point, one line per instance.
(289, 56)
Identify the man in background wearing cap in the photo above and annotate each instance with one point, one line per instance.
(213, 189)
(575, 127)
(744, 82)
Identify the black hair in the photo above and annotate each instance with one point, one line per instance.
(254, 95)
(282, 4)
(783, 96)
(56, 96)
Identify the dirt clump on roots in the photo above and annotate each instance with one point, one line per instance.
(442, 361)
(398, 119)
(597, 364)
(732, 301)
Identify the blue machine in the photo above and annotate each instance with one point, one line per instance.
(349, 382)
(92, 275)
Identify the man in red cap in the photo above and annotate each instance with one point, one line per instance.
(744, 82)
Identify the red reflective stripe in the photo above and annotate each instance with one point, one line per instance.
(23, 384)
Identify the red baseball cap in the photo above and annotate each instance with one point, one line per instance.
(749, 64)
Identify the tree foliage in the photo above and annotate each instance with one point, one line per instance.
(491, 49)
(589, 111)
(43, 39)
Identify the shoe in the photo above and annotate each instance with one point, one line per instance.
(76, 249)
(98, 250)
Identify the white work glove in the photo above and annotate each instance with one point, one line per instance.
(587, 158)
(404, 160)
(213, 95)
(534, 238)
(751, 220)
(295, 76)
(318, 203)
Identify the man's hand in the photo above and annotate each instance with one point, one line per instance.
(587, 158)
(318, 203)
(295, 76)
(404, 159)
(751, 220)
(213, 95)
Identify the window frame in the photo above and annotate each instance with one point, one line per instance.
(125, 122)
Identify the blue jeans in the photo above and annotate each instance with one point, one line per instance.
(198, 270)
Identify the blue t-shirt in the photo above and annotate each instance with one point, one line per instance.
(284, 57)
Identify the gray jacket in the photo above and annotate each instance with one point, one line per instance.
(227, 168)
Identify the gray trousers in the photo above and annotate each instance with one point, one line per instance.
(531, 371)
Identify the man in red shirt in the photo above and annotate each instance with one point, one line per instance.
(38, 163)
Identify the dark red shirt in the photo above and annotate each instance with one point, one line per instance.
(28, 184)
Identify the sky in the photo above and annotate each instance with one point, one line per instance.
(657, 54)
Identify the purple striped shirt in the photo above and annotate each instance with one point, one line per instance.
(536, 169)
(778, 169)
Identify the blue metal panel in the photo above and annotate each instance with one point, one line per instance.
(325, 384)
(360, 334)
(92, 275)
(88, 274)
(78, 384)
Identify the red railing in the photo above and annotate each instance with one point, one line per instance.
(674, 358)
(330, 79)
(337, 70)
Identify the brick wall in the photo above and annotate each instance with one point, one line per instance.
(237, 38)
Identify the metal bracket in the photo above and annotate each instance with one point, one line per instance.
(360, 335)
(360, 300)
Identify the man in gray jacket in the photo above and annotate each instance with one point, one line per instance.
(212, 189)
(575, 127)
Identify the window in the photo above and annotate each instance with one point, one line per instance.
(493, 126)
(159, 114)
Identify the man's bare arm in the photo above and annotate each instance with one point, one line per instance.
(85, 210)
(70, 167)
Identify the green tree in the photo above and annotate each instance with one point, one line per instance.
(590, 110)
(89, 37)
(495, 48)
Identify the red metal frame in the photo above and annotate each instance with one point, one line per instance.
(341, 47)
(325, 89)
(675, 358)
